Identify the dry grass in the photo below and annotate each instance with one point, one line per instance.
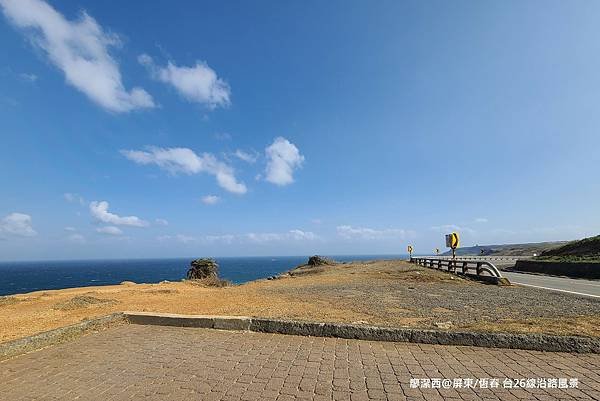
(387, 293)
(81, 301)
(8, 300)
(210, 281)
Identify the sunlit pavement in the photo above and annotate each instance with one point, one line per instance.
(166, 363)
(589, 288)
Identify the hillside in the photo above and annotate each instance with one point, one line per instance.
(587, 249)
(528, 249)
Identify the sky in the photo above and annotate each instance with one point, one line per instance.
(238, 128)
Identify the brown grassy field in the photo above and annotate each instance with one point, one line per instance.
(386, 293)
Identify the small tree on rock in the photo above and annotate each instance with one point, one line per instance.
(203, 268)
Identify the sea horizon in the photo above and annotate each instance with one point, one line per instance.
(20, 277)
(199, 257)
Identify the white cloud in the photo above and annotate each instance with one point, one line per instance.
(16, 224)
(258, 238)
(184, 160)
(481, 220)
(77, 238)
(448, 228)
(70, 197)
(99, 211)
(109, 230)
(349, 232)
(283, 157)
(316, 221)
(80, 49)
(296, 235)
(70, 229)
(161, 222)
(248, 157)
(210, 199)
(263, 237)
(225, 238)
(302, 235)
(198, 83)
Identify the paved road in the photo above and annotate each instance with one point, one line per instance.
(589, 288)
(170, 363)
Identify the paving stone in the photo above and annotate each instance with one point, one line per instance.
(182, 363)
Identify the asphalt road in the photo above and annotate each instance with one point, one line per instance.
(590, 288)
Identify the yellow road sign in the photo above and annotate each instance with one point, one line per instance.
(410, 249)
(452, 240)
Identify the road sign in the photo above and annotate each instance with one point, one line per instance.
(452, 240)
(410, 249)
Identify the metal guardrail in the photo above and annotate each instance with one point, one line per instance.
(463, 265)
(483, 258)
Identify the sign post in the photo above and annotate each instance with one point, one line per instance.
(452, 242)
(410, 251)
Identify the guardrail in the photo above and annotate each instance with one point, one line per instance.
(463, 266)
(483, 258)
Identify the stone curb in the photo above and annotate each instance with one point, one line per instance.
(535, 342)
(57, 336)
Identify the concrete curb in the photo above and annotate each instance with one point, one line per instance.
(57, 336)
(536, 342)
(198, 321)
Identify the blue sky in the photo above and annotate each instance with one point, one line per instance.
(285, 128)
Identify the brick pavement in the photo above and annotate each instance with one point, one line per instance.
(167, 363)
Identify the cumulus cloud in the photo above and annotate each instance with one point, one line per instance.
(161, 222)
(349, 232)
(210, 199)
(109, 230)
(99, 211)
(248, 157)
(199, 83)
(283, 157)
(70, 229)
(80, 49)
(16, 224)
(185, 160)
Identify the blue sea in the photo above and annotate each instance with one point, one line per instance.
(21, 277)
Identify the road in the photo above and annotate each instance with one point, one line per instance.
(590, 288)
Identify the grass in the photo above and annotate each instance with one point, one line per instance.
(582, 251)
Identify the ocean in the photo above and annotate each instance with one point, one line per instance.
(21, 277)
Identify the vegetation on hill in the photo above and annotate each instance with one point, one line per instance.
(585, 250)
(529, 249)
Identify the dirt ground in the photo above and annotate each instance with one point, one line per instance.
(385, 293)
